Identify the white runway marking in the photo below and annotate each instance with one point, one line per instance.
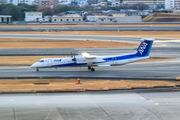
(165, 41)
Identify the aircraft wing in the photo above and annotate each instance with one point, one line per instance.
(88, 56)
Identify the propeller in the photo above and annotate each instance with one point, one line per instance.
(74, 59)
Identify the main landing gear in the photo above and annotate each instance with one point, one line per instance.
(91, 68)
(37, 69)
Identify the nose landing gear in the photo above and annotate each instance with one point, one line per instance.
(37, 69)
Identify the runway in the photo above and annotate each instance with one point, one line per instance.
(155, 52)
(108, 105)
(81, 37)
(154, 104)
(94, 28)
(162, 47)
(157, 71)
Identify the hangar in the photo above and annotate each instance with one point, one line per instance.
(70, 18)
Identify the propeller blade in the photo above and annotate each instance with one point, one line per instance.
(71, 54)
(74, 58)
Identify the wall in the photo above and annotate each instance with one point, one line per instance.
(66, 19)
(32, 16)
(91, 18)
(127, 19)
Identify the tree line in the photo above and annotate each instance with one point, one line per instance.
(17, 11)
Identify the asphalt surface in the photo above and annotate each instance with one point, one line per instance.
(109, 105)
(165, 70)
(94, 28)
(168, 69)
(155, 52)
(79, 37)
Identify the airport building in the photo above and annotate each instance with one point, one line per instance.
(91, 18)
(118, 18)
(5, 18)
(70, 18)
(33, 16)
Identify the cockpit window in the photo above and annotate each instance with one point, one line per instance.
(41, 61)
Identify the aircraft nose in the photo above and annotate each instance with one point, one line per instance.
(33, 65)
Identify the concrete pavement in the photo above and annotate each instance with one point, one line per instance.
(94, 28)
(107, 105)
(152, 70)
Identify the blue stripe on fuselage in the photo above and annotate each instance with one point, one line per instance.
(108, 59)
(68, 65)
(120, 57)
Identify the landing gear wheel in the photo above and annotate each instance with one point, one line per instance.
(92, 69)
(89, 67)
(37, 69)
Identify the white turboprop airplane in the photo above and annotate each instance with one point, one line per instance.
(91, 61)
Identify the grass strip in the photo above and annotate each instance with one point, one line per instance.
(154, 34)
(53, 85)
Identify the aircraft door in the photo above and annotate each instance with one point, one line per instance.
(114, 61)
(81, 60)
(49, 62)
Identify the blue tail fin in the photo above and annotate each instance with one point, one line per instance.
(145, 47)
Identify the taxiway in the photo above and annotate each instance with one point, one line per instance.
(94, 28)
(168, 69)
(108, 105)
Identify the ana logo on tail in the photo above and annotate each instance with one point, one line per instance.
(143, 46)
